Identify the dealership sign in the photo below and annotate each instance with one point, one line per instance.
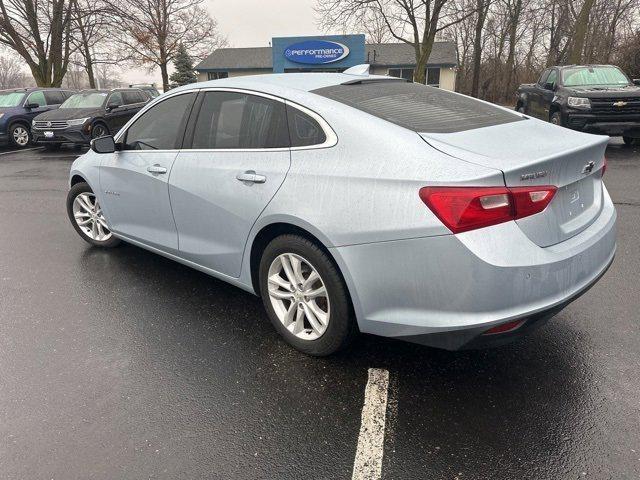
(316, 52)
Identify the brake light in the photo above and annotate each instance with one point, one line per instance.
(504, 328)
(467, 208)
(604, 166)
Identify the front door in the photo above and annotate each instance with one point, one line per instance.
(134, 180)
(237, 160)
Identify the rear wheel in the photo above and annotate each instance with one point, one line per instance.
(628, 140)
(86, 216)
(305, 296)
(19, 135)
(556, 119)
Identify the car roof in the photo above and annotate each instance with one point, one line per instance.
(563, 67)
(277, 83)
(32, 89)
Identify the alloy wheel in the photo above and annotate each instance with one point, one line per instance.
(298, 296)
(98, 131)
(20, 136)
(88, 215)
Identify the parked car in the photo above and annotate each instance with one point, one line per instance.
(355, 202)
(589, 98)
(148, 88)
(19, 106)
(86, 115)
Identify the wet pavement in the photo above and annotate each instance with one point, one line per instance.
(122, 364)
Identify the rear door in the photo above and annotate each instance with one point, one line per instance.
(237, 158)
(134, 180)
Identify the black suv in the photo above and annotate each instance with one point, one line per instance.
(19, 106)
(591, 98)
(86, 115)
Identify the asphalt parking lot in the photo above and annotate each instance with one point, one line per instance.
(121, 364)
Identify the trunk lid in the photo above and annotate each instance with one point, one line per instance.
(533, 153)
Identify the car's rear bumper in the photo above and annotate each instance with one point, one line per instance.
(75, 135)
(447, 291)
(605, 124)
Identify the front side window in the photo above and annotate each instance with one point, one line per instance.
(162, 126)
(85, 100)
(552, 78)
(230, 120)
(303, 129)
(115, 99)
(543, 78)
(37, 98)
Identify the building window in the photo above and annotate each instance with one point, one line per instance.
(433, 77)
(217, 75)
(406, 73)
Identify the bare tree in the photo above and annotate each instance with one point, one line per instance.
(11, 74)
(40, 33)
(580, 31)
(151, 31)
(482, 9)
(414, 22)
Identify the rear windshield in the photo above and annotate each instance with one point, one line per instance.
(418, 107)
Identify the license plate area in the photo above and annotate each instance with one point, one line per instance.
(49, 135)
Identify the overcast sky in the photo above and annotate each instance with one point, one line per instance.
(251, 23)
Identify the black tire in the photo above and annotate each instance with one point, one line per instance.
(341, 326)
(17, 132)
(629, 141)
(52, 147)
(556, 119)
(99, 129)
(521, 108)
(76, 190)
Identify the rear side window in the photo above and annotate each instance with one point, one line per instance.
(53, 97)
(130, 97)
(418, 107)
(229, 120)
(304, 130)
(162, 126)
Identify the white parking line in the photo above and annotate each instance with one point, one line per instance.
(368, 461)
(21, 150)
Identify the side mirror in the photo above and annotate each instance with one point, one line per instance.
(31, 105)
(103, 144)
(550, 86)
(636, 81)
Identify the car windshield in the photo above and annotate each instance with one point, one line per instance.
(12, 99)
(588, 76)
(85, 100)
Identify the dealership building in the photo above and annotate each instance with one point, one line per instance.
(332, 53)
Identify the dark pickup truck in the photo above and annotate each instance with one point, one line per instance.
(590, 98)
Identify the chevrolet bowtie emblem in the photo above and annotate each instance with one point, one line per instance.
(588, 168)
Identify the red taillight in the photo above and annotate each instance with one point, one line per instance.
(604, 166)
(504, 328)
(467, 208)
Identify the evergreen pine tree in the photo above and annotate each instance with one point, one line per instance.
(184, 73)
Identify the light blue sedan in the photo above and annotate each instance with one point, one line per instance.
(352, 202)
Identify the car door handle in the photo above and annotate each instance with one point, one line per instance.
(251, 176)
(156, 169)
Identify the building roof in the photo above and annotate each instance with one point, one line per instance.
(376, 54)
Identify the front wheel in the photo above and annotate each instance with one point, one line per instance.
(628, 140)
(19, 135)
(556, 119)
(305, 296)
(87, 218)
(99, 130)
